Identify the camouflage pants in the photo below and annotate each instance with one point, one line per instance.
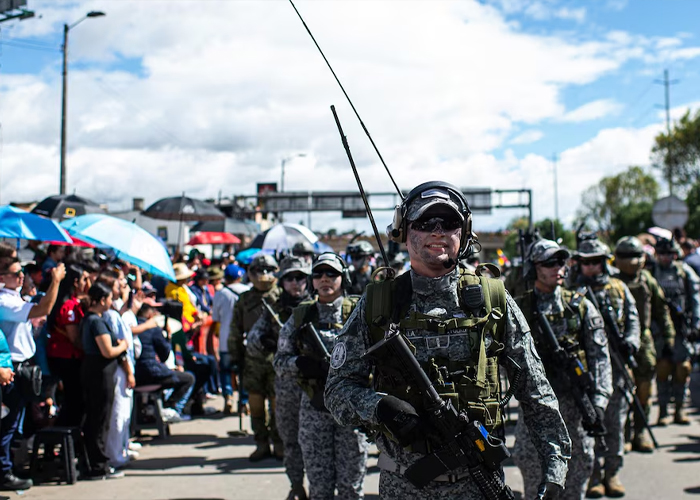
(334, 456)
(258, 380)
(615, 418)
(393, 486)
(288, 401)
(673, 376)
(528, 461)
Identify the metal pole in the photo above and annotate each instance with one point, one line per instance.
(668, 127)
(62, 180)
(556, 188)
(284, 160)
(529, 208)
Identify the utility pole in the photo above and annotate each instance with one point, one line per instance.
(667, 94)
(556, 188)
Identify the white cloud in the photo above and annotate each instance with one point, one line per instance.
(592, 111)
(225, 94)
(528, 137)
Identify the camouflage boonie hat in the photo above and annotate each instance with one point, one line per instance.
(592, 248)
(544, 250)
(263, 261)
(629, 246)
(292, 265)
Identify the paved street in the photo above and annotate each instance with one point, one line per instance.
(199, 461)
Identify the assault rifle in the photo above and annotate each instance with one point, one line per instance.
(317, 341)
(580, 380)
(463, 443)
(266, 339)
(621, 358)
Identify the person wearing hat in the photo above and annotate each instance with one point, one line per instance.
(579, 330)
(594, 273)
(304, 250)
(258, 374)
(680, 285)
(360, 255)
(216, 276)
(426, 306)
(200, 288)
(335, 455)
(222, 315)
(293, 277)
(181, 292)
(652, 309)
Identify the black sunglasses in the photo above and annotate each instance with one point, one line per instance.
(16, 273)
(295, 277)
(428, 225)
(317, 275)
(591, 262)
(553, 263)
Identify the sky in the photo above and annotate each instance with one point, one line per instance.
(208, 97)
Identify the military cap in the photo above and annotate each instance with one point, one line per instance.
(629, 246)
(544, 250)
(262, 261)
(361, 248)
(293, 264)
(588, 249)
(302, 247)
(664, 245)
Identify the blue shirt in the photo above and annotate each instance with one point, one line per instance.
(5, 355)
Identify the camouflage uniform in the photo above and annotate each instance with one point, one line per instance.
(680, 286)
(594, 342)
(287, 390)
(352, 400)
(359, 254)
(335, 455)
(607, 288)
(655, 324)
(258, 374)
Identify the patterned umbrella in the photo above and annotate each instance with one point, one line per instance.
(283, 237)
(65, 206)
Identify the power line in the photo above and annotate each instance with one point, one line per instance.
(30, 47)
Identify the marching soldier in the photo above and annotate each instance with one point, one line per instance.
(680, 285)
(580, 331)
(461, 327)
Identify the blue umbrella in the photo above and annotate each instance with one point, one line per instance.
(320, 247)
(129, 241)
(247, 255)
(16, 223)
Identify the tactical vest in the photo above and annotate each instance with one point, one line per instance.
(471, 384)
(307, 312)
(572, 317)
(615, 289)
(674, 282)
(641, 291)
(251, 302)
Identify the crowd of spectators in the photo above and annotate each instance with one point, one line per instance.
(91, 328)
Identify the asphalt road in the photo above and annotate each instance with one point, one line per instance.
(200, 461)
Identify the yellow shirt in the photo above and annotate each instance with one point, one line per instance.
(189, 311)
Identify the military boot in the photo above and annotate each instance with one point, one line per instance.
(228, 405)
(664, 418)
(297, 493)
(596, 489)
(680, 417)
(262, 451)
(613, 487)
(642, 443)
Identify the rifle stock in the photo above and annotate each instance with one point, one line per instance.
(462, 443)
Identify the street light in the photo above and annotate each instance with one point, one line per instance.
(66, 29)
(285, 160)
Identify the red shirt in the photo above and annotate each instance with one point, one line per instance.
(59, 345)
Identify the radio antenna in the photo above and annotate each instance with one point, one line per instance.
(351, 105)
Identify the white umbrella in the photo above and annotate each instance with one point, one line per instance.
(283, 237)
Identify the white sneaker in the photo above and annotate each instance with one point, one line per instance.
(135, 446)
(171, 416)
(133, 455)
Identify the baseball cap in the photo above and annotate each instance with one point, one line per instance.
(432, 199)
(329, 259)
(545, 250)
(293, 264)
(234, 271)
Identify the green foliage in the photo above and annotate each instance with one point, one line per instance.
(678, 154)
(511, 246)
(692, 227)
(620, 203)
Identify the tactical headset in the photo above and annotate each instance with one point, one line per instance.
(397, 231)
(330, 256)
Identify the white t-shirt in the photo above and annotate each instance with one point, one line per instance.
(15, 324)
(129, 319)
(222, 310)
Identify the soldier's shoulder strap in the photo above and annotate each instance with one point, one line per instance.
(386, 301)
(304, 312)
(494, 293)
(573, 298)
(349, 304)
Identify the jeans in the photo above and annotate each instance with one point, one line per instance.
(226, 371)
(15, 402)
(211, 384)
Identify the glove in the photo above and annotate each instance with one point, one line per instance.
(549, 491)
(629, 349)
(269, 343)
(400, 418)
(598, 427)
(311, 367)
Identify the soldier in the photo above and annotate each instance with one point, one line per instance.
(580, 331)
(305, 251)
(335, 455)
(652, 309)
(680, 285)
(458, 323)
(593, 271)
(258, 374)
(262, 339)
(360, 255)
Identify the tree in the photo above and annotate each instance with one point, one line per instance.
(677, 153)
(564, 237)
(692, 227)
(620, 205)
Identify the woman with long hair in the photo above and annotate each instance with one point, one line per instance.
(102, 349)
(64, 349)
